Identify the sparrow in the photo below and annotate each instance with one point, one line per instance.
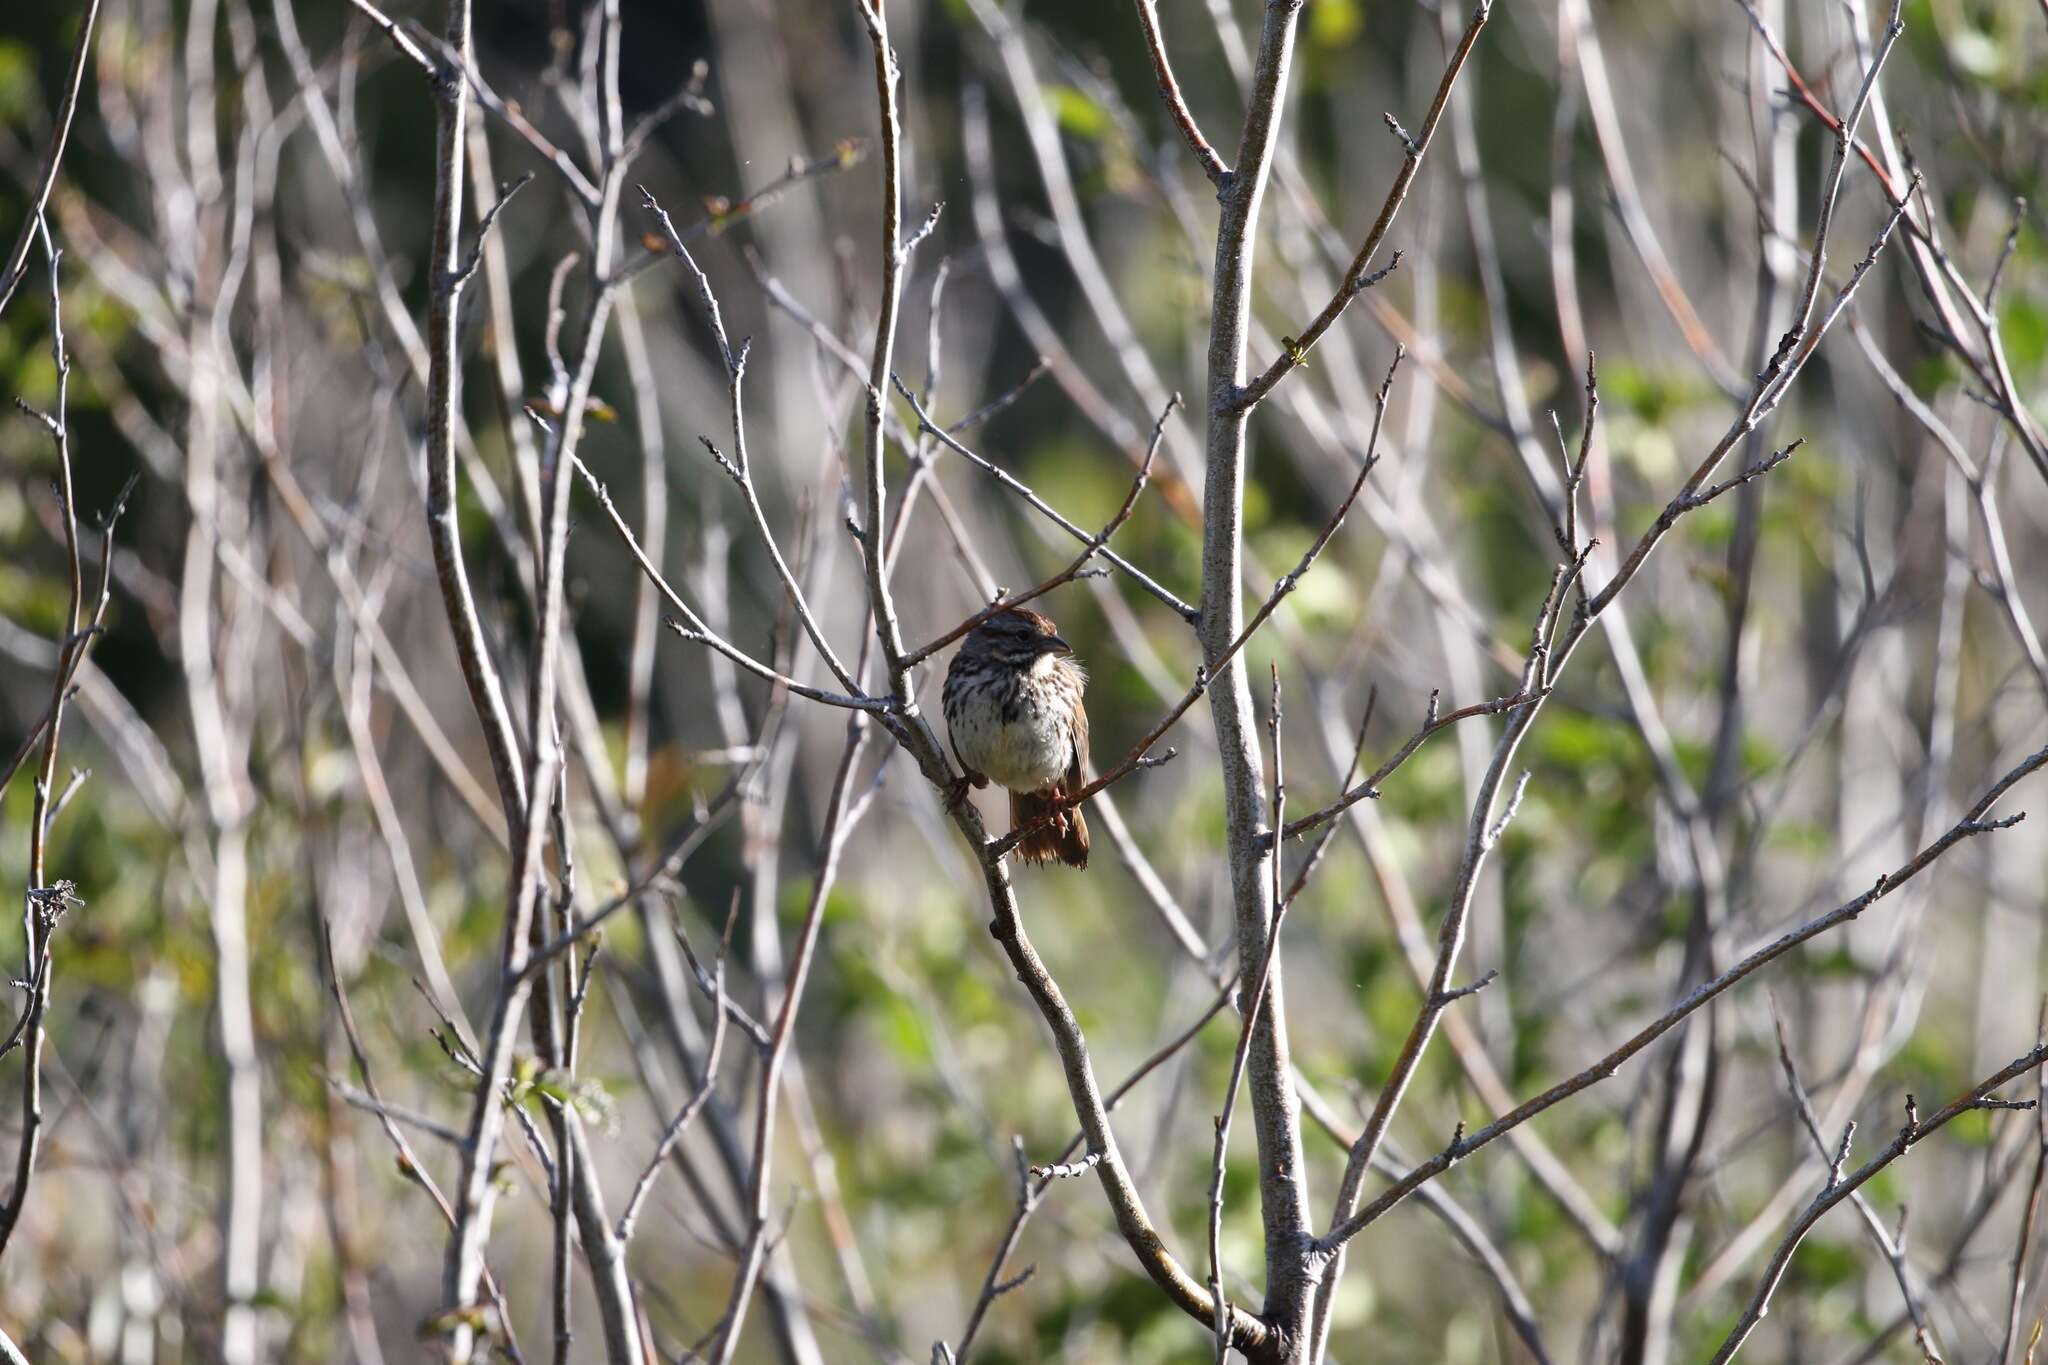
(1014, 715)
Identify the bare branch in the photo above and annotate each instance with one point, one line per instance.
(1840, 1188)
(680, 1124)
(1251, 1005)
(1136, 758)
(1890, 1248)
(1972, 823)
(1073, 570)
(946, 438)
(1169, 94)
(1360, 276)
(53, 158)
(692, 627)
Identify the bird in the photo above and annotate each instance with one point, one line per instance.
(1014, 715)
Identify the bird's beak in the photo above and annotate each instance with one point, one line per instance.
(1055, 645)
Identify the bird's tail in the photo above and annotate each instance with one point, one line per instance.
(1064, 837)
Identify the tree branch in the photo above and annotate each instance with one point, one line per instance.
(1974, 822)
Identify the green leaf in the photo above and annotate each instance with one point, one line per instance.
(1823, 1264)
(2024, 325)
(1334, 23)
(1078, 115)
(18, 91)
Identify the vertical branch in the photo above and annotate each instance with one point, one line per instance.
(222, 747)
(839, 822)
(1283, 1193)
(874, 497)
(2023, 1246)
(476, 1196)
(647, 423)
(553, 1017)
(43, 903)
(444, 397)
(554, 985)
(535, 790)
(1253, 1002)
(526, 817)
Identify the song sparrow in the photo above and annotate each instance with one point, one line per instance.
(1013, 709)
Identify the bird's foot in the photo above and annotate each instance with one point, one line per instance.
(957, 793)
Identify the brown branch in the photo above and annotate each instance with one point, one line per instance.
(444, 298)
(1432, 724)
(1812, 104)
(1138, 755)
(1890, 1248)
(1169, 94)
(45, 902)
(945, 436)
(722, 213)
(1250, 1334)
(1253, 1003)
(1029, 1195)
(1972, 823)
(1831, 194)
(1840, 1187)
(1073, 570)
(1360, 277)
(60, 134)
(993, 1286)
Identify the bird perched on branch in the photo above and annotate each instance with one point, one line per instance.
(1013, 709)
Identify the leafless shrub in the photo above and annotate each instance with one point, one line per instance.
(1658, 701)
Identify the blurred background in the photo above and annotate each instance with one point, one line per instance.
(284, 788)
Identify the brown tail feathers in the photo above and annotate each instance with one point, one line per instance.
(1065, 837)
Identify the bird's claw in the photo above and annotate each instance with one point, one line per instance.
(957, 792)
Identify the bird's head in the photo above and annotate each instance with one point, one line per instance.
(1018, 637)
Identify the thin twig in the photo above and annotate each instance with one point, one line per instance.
(1009, 481)
(1137, 757)
(53, 157)
(1887, 1246)
(1169, 94)
(1973, 822)
(1073, 570)
(1915, 1131)
(1360, 276)
(680, 1124)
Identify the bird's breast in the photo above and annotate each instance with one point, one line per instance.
(1021, 737)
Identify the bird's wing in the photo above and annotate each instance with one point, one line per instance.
(1077, 761)
(952, 742)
